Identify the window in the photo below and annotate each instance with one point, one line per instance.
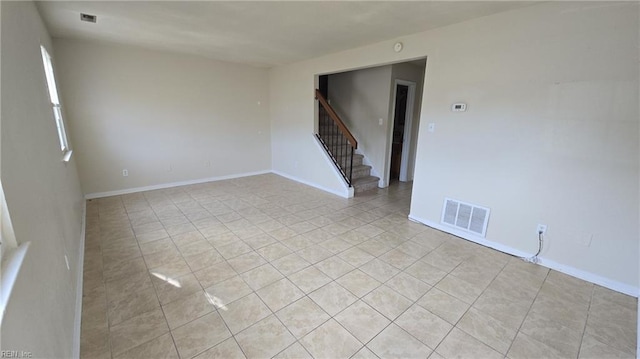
(55, 103)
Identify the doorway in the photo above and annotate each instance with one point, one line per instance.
(401, 136)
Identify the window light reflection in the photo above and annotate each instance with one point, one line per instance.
(169, 280)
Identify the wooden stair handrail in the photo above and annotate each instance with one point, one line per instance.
(336, 119)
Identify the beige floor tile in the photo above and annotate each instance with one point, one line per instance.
(204, 259)
(161, 348)
(131, 305)
(220, 236)
(443, 305)
(335, 245)
(170, 289)
(618, 335)
(364, 353)
(244, 312)
(261, 276)
(463, 290)
(398, 259)
(362, 321)
(550, 332)
(331, 340)
(163, 257)
(314, 254)
(334, 267)
(124, 269)
(379, 270)
(178, 229)
(94, 342)
(137, 330)
(426, 272)
(228, 291)
(156, 246)
(274, 251)
(309, 279)
(424, 325)
(506, 308)
(122, 287)
(387, 301)
(152, 236)
(358, 282)
(294, 351)
(442, 261)
(332, 298)
(200, 335)
(280, 294)
(592, 348)
(258, 241)
(140, 228)
(374, 247)
(561, 312)
(265, 338)
(525, 347)
(488, 330)
(191, 307)
(290, 264)
(214, 274)
(228, 349)
(394, 342)
(355, 256)
(234, 249)
(264, 210)
(408, 286)
(246, 262)
(302, 316)
(605, 296)
(171, 270)
(459, 344)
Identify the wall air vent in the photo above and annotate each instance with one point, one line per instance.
(465, 216)
(88, 17)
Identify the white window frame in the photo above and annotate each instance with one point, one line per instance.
(55, 103)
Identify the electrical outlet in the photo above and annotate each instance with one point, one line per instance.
(542, 228)
(125, 173)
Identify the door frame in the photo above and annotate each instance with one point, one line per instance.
(408, 124)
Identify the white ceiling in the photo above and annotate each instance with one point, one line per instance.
(259, 33)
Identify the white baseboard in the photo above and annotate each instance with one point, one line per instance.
(347, 193)
(574, 272)
(172, 184)
(77, 328)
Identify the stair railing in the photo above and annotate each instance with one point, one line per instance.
(336, 138)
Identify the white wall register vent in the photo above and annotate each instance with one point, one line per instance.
(465, 216)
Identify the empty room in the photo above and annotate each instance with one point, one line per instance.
(319, 179)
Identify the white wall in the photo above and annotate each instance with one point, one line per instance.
(165, 117)
(43, 195)
(361, 99)
(413, 73)
(550, 135)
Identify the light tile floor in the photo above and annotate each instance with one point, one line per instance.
(262, 266)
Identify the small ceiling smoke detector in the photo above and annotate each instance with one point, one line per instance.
(88, 17)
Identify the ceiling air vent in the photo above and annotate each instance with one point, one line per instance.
(465, 216)
(88, 17)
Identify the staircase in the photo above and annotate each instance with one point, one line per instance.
(340, 145)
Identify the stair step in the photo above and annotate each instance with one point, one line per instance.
(357, 159)
(365, 184)
(360, 171)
